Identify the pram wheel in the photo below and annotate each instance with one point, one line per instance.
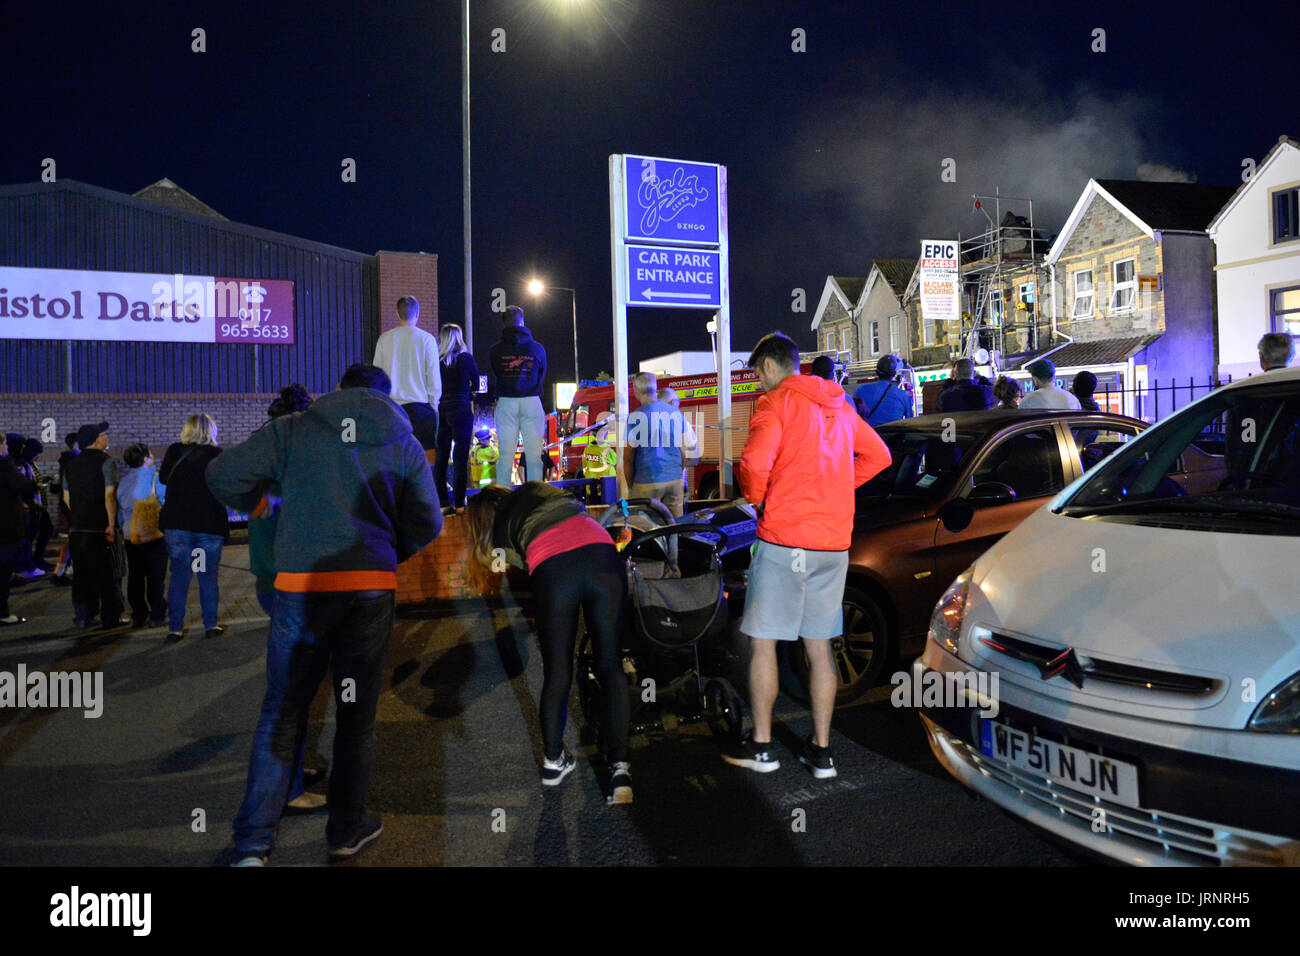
(724, 710)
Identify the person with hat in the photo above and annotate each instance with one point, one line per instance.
(885, 399)
(94, 538)
(482, 459)
(1046, 393)
(600, 457)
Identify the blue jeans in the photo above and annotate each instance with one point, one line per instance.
(347, 633)
(180, 549)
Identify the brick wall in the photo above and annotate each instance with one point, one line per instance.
(408, 273)
(155, 420)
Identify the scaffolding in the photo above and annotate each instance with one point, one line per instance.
(1009, 247)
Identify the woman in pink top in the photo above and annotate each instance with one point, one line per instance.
(572, 563)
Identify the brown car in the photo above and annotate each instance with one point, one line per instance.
(958, 482)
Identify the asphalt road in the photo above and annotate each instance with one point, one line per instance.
(157, 779)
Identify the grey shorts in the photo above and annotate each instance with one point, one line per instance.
(795, 593)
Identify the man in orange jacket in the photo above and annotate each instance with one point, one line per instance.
(807, 452)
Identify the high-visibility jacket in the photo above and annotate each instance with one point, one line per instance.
(600, 459)
(482, 465)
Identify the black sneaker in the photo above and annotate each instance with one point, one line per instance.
(818, 760)
(174, 636)
(753, 756)
(366, 834)
(620, 783)
(215, 631)
(555, 771)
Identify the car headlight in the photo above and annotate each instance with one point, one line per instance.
(1279, 712)
(945, 622)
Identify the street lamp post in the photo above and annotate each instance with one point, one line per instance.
(464, 128)
(537, 287)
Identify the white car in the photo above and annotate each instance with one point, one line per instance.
(1144, 629)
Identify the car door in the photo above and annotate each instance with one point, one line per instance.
(1091, 441)
(1033, 461)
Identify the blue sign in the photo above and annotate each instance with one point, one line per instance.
(669, 200)
(674, 277)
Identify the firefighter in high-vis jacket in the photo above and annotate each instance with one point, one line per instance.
(482, 459)
(600, 459)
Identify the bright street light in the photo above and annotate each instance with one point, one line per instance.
(536, 287)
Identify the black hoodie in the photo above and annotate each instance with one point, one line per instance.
(518, 363)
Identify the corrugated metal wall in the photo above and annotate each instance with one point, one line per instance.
(75, 226)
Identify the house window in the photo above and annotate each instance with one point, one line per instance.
(1286, 215)
(895, 340)
(927, 331)
(875, 338)
(829, 344)
(844, 338)
(1285, 309)
(1082, 294)
(1027, 293)
(995, 309)
(1121, 300)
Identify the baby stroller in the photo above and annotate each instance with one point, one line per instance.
(677, 651)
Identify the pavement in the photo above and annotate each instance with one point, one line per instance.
(157, 778)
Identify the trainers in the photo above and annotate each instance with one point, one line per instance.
(367, 833)
(251, 860)
(215, 631)
(818, 760)
(174, 636)
(620, 784)
(553, 771)
(753, 756)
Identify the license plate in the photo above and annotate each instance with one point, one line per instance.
(1095, 775)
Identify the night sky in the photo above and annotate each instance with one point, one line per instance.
(834, 154)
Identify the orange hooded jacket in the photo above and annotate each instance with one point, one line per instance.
(806, 453)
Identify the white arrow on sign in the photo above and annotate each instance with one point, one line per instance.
(650, 294)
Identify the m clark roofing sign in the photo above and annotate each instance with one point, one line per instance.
(940, 281)
(144, 307)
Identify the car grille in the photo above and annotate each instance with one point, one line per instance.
(1178, 839)
(1046, 658)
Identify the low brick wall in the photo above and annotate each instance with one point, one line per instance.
(438, 572)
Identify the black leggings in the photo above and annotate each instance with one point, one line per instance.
(455, 426)
(593, 578)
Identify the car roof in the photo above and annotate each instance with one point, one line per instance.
(1291, 374)
(995, 419)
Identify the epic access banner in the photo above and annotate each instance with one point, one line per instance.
(940, 280)
(84, 305)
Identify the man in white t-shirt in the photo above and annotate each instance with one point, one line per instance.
(409, 355)
(1045, 393)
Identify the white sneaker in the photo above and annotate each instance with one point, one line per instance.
(555, 771)
(620, 783)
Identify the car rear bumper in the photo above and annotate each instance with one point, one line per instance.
(1197, 810)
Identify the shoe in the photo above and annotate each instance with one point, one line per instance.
(174, 636)
(308, 802)
(31, 574)
(555, 771)
(367, 834)
(818, 760)
(251, 860)
(753, 756)
(81, 625)
(310, 775)
(620, 784)
(11, 620)
(113, 625)
(215, 631)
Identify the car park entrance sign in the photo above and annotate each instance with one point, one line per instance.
(668, 249)
(673, 276)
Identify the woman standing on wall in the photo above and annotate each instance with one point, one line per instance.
(455, 415)
(572, 563)
(194, 524)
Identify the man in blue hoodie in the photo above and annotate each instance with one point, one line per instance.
(519, 366)
(357, 499)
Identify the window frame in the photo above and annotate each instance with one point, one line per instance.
(874, 337)
(1275, 198)
(1274, 315)
(1091, 294)
(1117, 287)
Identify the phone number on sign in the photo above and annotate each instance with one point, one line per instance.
(228, 331)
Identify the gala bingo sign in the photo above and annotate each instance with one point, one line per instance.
(940, 280)
(83, 305)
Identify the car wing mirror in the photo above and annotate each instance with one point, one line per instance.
(992, 492)
(956, 514)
